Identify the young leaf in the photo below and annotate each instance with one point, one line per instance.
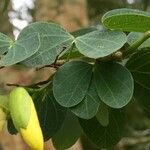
(53, 41)
(88, 108)
(21, 49)
(114, 84)
(100, 43)
(104, 137)
(5, 43)
(68, 134)
(51, 114)
(127, 20)
(134, 36)
(139, 65)
(71, 83)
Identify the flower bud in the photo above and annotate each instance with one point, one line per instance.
(25, 118)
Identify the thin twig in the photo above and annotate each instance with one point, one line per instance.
(56, 66)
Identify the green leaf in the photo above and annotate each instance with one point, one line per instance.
(139, 65)
(104, 137)
(103, 115)
(68, 134)
(100, 43)
(5, 43)
(51, 114)
(71, 83)
(142, 95)
(21, 49)
(11, 128)
(134, 36)
(127, 20)
(114, 84)
(53, 41)
(88, 108)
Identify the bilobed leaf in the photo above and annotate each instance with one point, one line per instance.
(104, 137)
(53, 40)
(71, 83)
(114, 84)
(21, 49)
(134, 36)
(68, 134)
(88, 108)
(51, 114)
(5, 43)
(127, 20)
(100, 43)
(139, 65)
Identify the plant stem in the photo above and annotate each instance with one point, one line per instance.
(133, 48)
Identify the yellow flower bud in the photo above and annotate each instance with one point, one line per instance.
(25, 118)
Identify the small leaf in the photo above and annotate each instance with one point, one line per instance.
(5, 43)
(53, 41)
(100, 43)
(51, 114)
(88, 108)
(68, 134)
(23, 48)
(71, 83)
(104, 137)
(103, 115)
(127, 20)
(114, 84)
(134, 36)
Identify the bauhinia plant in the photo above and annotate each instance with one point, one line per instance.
(97, 74)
